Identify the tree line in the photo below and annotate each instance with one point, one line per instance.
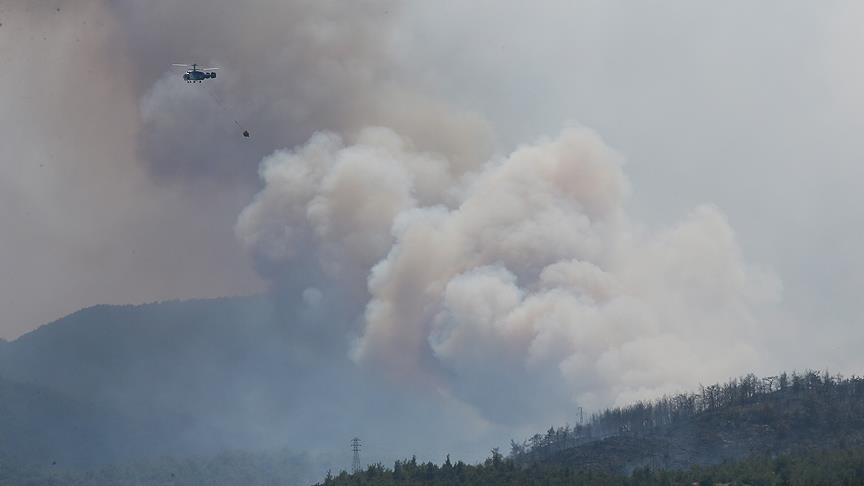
(812, 468)
(647, 417)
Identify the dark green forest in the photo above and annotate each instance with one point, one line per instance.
(798, 428)
(835, 467)
(744, 417)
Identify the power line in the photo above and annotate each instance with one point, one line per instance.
(355, 446)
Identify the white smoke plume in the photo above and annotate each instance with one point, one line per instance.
(519, 287)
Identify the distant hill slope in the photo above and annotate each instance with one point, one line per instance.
(247, 373)
(196, 376)
(113, 383)
(113, 353)
(41, 426)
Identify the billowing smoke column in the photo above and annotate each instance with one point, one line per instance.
(289, 70)
(519, 286)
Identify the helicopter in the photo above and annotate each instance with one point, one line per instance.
(197, 74)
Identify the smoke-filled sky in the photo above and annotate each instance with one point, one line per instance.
(589, 201)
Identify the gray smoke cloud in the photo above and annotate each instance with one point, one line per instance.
(290, 69)
(521, 278)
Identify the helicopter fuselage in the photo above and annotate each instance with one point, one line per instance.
(197, 76)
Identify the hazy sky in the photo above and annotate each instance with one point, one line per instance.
(119, 183)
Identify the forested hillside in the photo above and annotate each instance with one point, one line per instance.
(805, 428)
(730, 421)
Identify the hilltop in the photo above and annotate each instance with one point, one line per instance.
(793, 428)
(789, 413)
(116, 384)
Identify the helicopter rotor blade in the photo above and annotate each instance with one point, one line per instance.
(182, 65)
(208, 68)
